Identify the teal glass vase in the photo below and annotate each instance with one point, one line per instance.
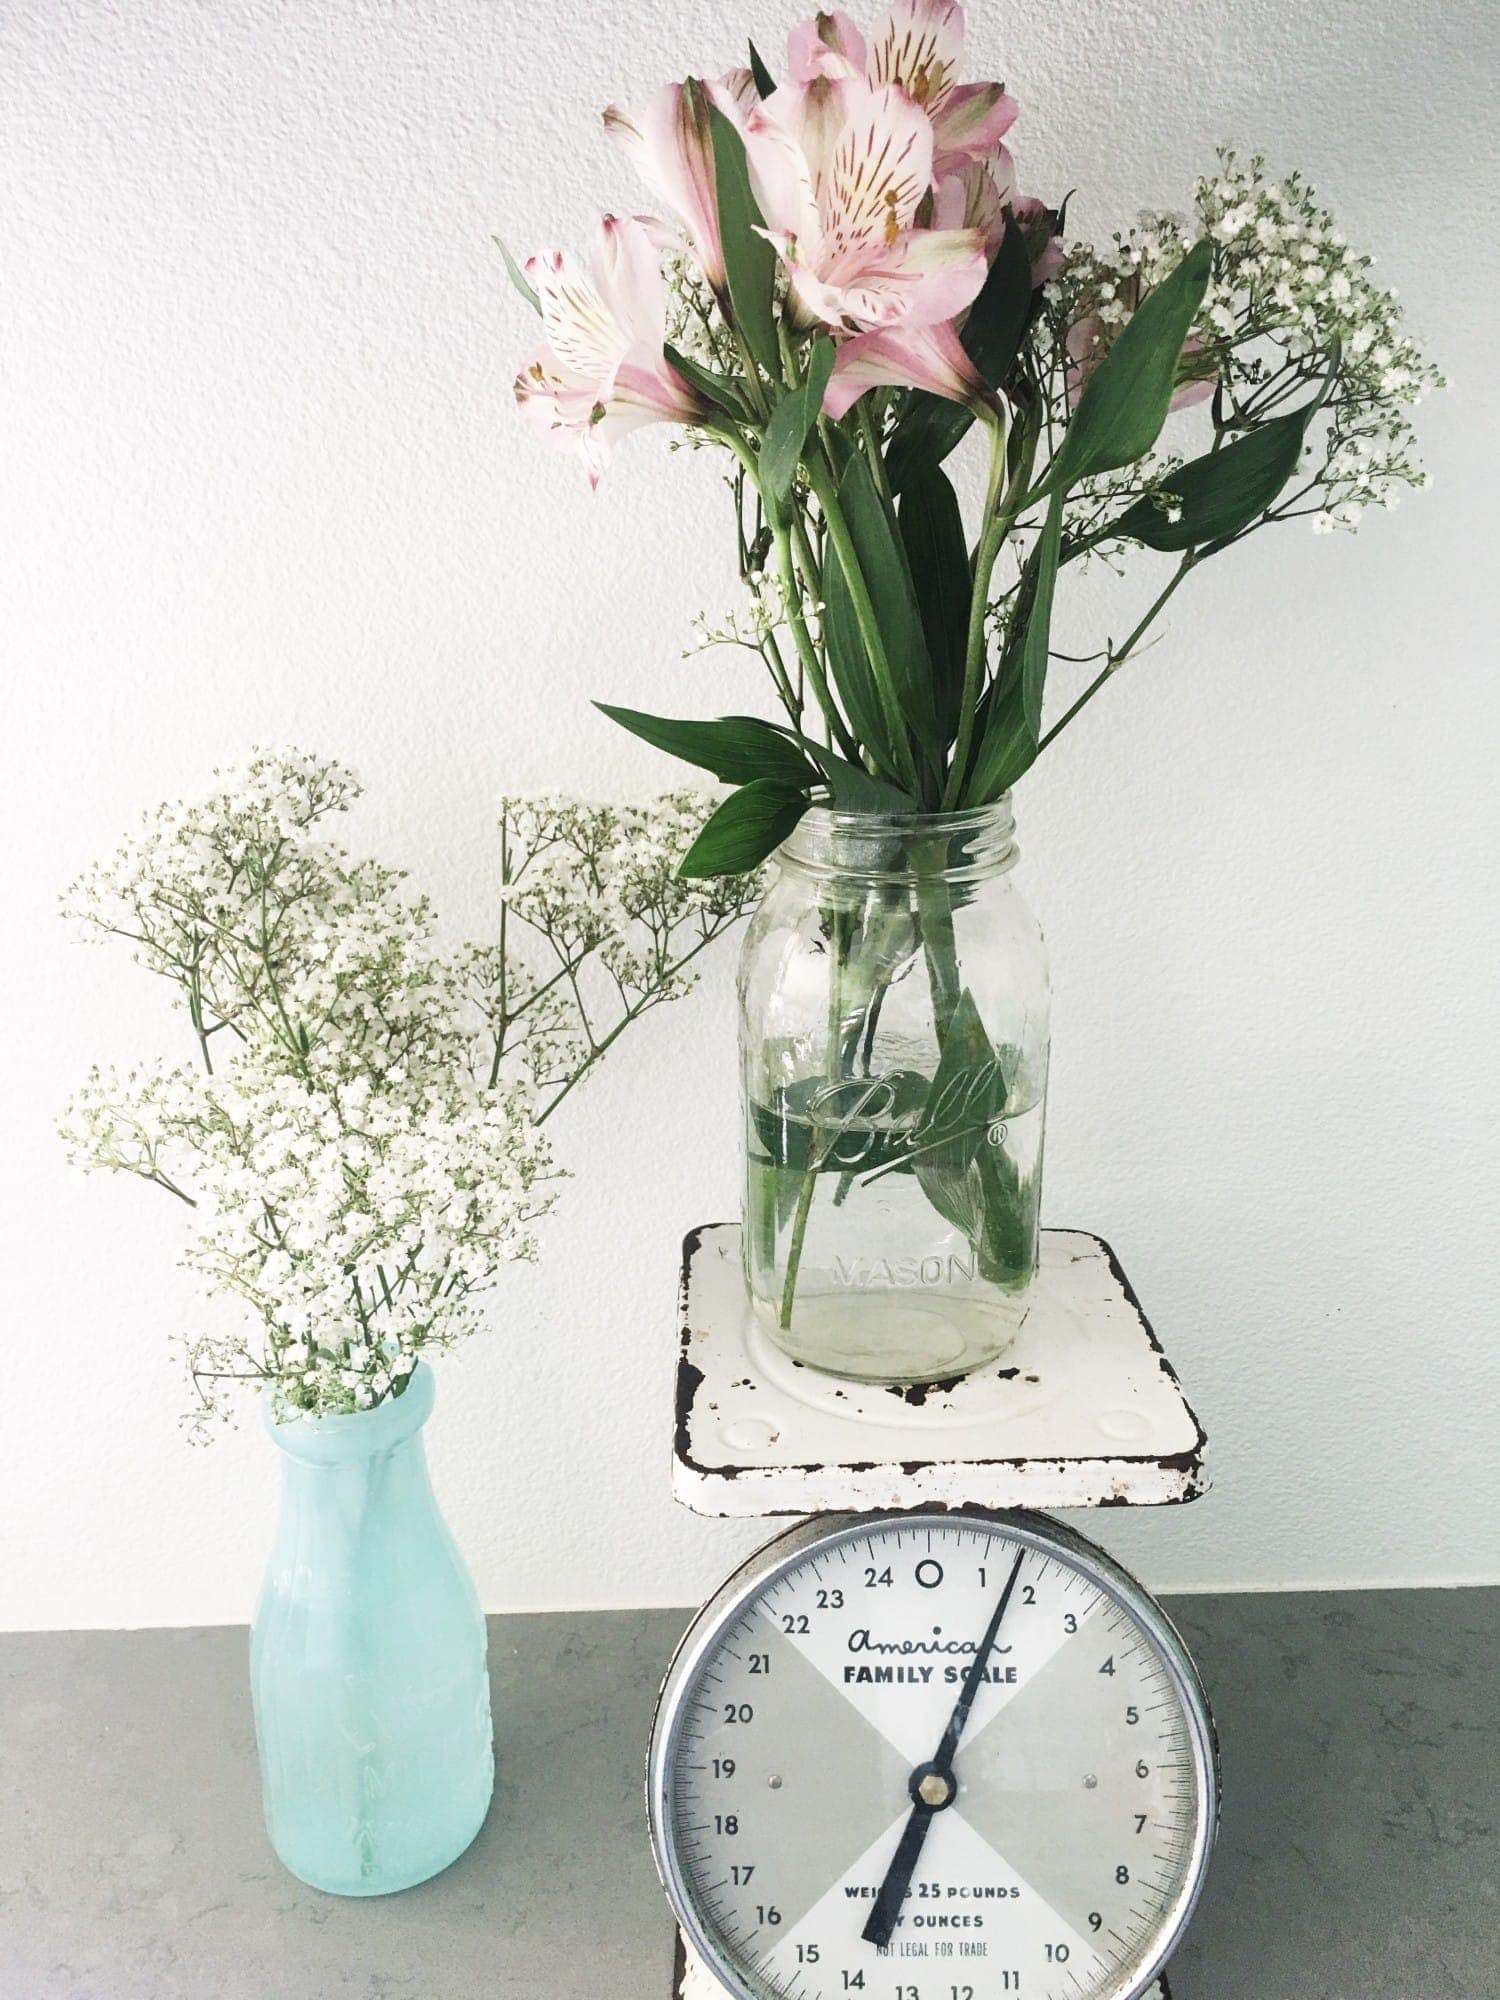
(367, 1659)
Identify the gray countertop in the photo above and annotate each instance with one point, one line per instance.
(1359, 1857)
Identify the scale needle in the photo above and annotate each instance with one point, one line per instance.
(933, 1785)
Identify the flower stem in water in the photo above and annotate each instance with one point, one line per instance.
(837, 943)
(799, 1232)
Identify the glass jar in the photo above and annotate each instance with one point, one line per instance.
(367, 1659)
(894, 1037)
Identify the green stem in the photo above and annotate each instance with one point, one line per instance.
(770, 652)
(817, 1146)
(865, 617)
(873, 453)
(195, 1015)
(940, 951)
(807, 653)
(753, 383)
(1118, 659)
(597, 1050)
(1000, 1242)
(812, 569)
(1000, 518)
(503, 974)
(171, 1187)
(812, 666)
(798, 1237)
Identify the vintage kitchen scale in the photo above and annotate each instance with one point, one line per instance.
(927, 1744)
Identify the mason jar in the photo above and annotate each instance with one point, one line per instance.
(894, 1036)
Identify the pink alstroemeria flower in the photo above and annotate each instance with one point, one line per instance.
(603, 372)
(977, 195)
(1039, 227)
(908, 357)
(918, 47)
(671, 148)
(840, 169)
(982, 195)
(827, 45)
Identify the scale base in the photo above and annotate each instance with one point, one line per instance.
(692, 1981)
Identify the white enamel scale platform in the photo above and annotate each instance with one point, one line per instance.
(1083, 1410)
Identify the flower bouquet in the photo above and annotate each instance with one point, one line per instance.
(845, 285)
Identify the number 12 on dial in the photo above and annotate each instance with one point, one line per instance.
(932, 1757)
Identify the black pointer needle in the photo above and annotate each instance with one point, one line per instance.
(933, 1785)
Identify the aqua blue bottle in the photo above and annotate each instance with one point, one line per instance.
(367, 1659)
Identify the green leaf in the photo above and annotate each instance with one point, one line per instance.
(966, 1097)
(928, 430)
(997, 323)
(1124, 402)
(932, 531)
(1007, 748)
(765, 83)
(968, 1089)
(519, 278)
(971, 1182)
(882, 563)
(990, 1203)
(1225, 490)
(1217, 494)
(1013, 709)
(854, 790)
(725, 392)
(1000, 315)
(741, 749)
(791, 420)
(852, 787)
(749, 260)
(750, 824)
(736, 748)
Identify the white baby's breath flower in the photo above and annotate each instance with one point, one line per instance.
(1290, 311)
(362, 1143)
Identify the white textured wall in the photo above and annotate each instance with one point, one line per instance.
(260, 481)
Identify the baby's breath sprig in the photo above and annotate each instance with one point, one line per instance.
(361, 1142)
(1291, 326)
(1290, 308)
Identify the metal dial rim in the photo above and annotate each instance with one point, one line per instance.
(784, 1553)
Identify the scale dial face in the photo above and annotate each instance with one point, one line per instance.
(823, 1829)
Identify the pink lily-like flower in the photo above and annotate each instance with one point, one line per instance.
(983, 196)
(1039, 229)
(671, 147)
(827, 45)
(918, 47)
(603, 372)
(978, 195)
(907, 357)
(840, 169)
